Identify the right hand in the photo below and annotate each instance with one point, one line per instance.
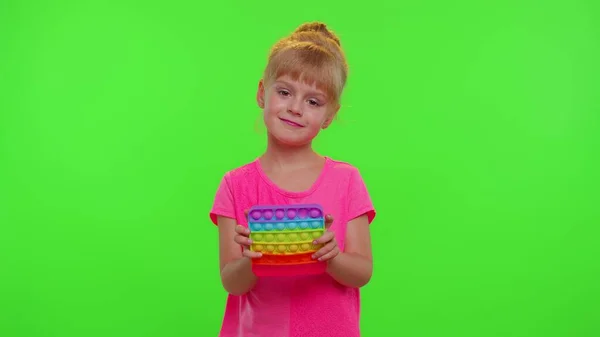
(242, 238)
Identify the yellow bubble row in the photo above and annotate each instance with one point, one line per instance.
(283, 237)
(286, 248)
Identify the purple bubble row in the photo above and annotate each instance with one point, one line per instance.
(291, 213)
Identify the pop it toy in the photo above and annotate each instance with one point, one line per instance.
(284, 235)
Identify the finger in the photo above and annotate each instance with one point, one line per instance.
(325, 249)
(330, 255)
(250, 254)
(326, 237)
(328, 221)
(242, 230)
(242, 240)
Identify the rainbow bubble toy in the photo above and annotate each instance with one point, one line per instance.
(284, 235)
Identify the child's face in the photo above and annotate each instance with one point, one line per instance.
(294, 112)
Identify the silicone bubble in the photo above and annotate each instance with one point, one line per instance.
(256, 215)
(315, 213)
(303, 213)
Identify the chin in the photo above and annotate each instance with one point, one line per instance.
(293, 141)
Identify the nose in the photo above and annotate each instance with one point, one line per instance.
(294, 107)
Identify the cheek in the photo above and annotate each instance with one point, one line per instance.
(273, 103)
(270, 113)
(316, 119)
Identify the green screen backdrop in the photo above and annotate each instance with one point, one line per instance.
(475, 125)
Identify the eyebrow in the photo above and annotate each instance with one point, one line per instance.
(317, 92)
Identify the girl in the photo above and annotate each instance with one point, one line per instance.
(299, 94)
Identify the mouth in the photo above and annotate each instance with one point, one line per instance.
(289, 122)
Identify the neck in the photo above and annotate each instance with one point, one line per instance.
(281, 156)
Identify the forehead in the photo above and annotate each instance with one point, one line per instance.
(306, 66)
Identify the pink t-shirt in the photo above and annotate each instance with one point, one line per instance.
(298, 306)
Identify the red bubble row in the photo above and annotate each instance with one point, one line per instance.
(284, 259)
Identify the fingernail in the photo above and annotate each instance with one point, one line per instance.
(315, 242)
(313, 257)
(249, 241)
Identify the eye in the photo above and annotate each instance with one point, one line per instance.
(283, 92)
(313, 102)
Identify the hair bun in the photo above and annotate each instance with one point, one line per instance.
(318, 27)
(310, 53)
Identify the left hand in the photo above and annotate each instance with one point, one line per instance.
(330, 248)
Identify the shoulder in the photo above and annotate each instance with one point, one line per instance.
(348, 175)
(242, 181)
(243, 172)
(341, 168)
(358, 197)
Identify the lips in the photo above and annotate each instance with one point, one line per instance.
(289, 122)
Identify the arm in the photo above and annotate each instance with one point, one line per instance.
(236, 270)
(354, 267)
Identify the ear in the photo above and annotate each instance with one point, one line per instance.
(331, 116)
(260, 94)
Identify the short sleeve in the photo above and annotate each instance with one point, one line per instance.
(359, 200)
(223, 204)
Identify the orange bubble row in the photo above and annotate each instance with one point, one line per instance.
(284, 259)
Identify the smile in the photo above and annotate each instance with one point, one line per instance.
(288, 122)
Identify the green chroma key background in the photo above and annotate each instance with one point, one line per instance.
(475, 125)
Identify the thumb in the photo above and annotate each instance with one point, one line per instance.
(328, 221)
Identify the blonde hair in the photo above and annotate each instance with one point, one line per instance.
(312, 54)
